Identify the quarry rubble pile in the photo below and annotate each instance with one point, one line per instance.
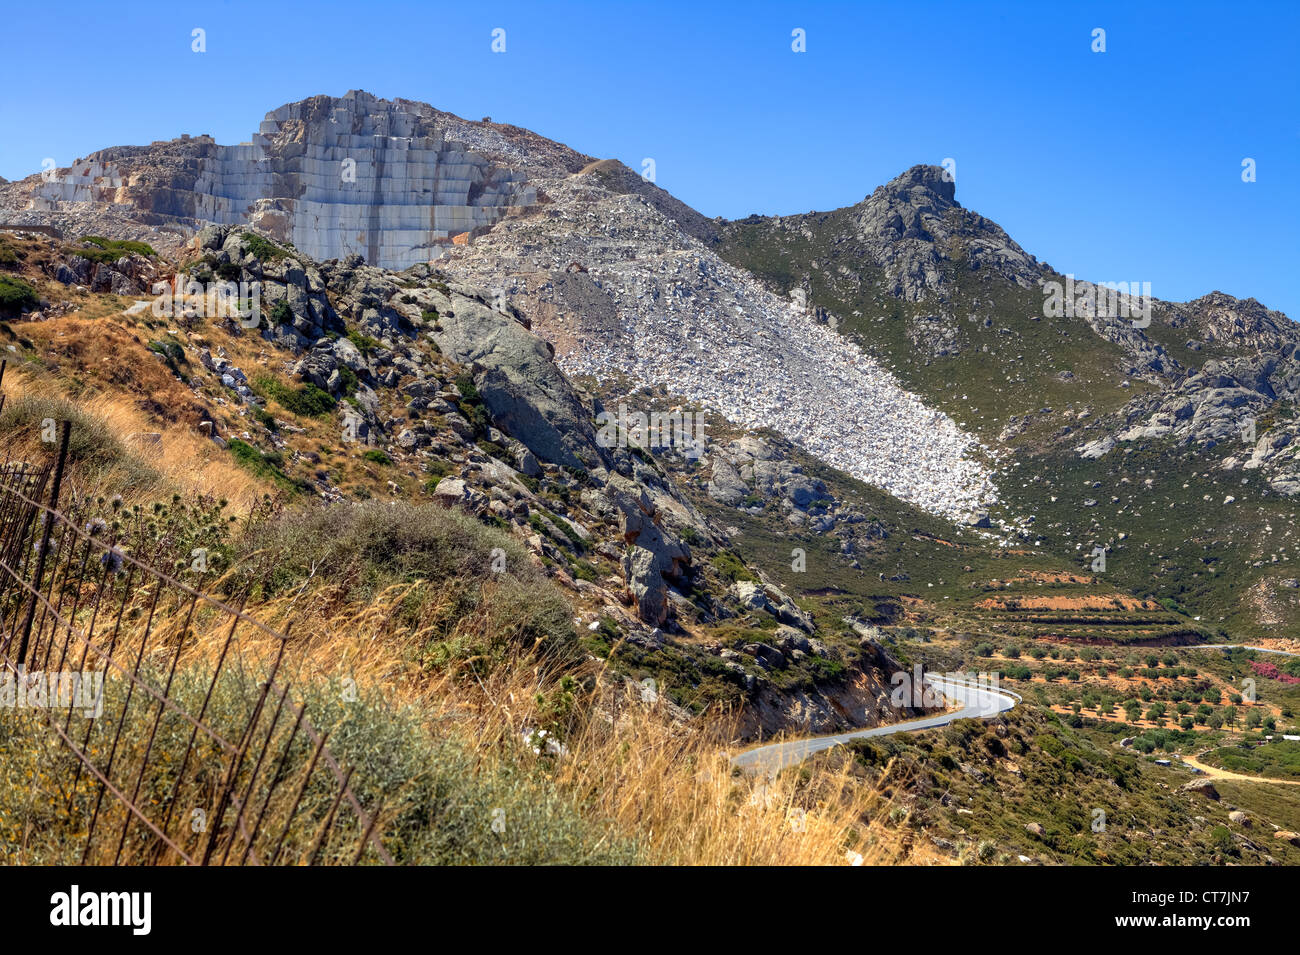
(628, 292)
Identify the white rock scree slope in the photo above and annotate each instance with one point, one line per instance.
(654, 303)
(813, 386)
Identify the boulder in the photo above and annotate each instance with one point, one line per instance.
(725, 486)
(749, 594)
(451, 491)
(653, 557)
(766, 655)
(1096, 449)
(356, 426)
(526, 461)
(788, 638)
(528, 396)
(786, 610)
(1201, 787)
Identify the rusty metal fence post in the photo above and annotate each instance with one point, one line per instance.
(82, 602)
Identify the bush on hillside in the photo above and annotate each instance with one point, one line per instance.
(444, 558)
(92, 446)
(110, 250)
(16, 296)
(306, 401)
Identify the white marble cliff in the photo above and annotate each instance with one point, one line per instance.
(333, 176)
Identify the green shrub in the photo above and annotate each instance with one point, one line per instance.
(265, 419)
(476, 415)
(262, 249)
(110, 250)
(439, 798)
(348, 381)
(465, 385)
(91, 444)
(307, 401)
(377, 457)
(280, 314)
(365, 344)
(267, 465)
(16, 296)
(228, 271)
(1050, 744)
(443, 557)
(730, 567)
(566, 529)
(173, 354)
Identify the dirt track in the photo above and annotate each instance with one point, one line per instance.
(1214, 772)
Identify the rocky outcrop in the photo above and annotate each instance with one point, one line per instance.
(1201, 787)
(517, 379)
(654, 558)
(861, 700)
(908, 233)
(1220, 404)
(763, 472)
(295, 309)
(1243, 325)
(751, 467)
(765, 596)
(906, 226)
(130, 275)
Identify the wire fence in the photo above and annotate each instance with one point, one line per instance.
(151, 734)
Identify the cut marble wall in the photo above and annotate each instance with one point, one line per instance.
(365, 176)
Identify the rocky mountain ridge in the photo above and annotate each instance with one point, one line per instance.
(621, 276)
(903, 340)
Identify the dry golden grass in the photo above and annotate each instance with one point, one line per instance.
(185, 460)
(628, 764)
(664, 783)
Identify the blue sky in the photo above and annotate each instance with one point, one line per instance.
(1116, 166)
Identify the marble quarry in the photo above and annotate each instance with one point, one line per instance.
(333, 176)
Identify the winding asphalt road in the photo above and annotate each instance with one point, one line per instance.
(976, 702)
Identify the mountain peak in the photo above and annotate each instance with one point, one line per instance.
(923, 184)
